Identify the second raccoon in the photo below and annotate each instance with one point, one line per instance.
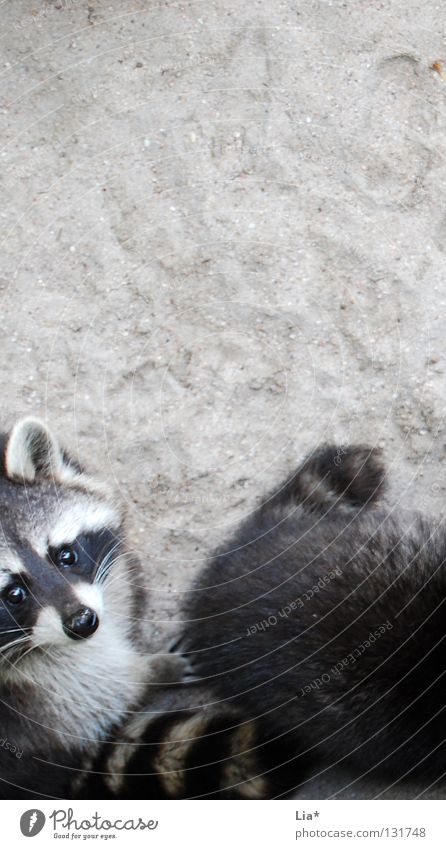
(323, 621)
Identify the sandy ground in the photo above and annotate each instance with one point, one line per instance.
(223, 235)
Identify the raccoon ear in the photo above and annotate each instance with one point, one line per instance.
(32, 452)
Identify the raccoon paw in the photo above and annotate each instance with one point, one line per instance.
(170, 669)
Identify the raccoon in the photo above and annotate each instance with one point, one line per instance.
(73, 664)
(86, 710)
(322, 623)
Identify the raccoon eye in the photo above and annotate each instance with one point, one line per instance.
(66, 556)
(16, 594)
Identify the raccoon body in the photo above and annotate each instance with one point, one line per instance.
(322, 622)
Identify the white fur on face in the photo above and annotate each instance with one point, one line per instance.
(48, 630)
(89, 595)
(11, 565)
(84, 517)
(81, 690)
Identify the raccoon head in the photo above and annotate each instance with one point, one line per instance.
(60, 537)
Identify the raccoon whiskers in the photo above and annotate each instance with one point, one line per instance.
(106, 564)
(23, 654)
(112, 565)
(14, 644)
(105, 572)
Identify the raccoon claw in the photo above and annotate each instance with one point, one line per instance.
(190, 678)
(175, 645)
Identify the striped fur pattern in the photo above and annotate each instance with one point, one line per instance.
(200, 753)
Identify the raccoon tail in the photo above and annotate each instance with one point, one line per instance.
(208, 753)
(333, 477)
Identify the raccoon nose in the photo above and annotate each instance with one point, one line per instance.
(81, 624)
